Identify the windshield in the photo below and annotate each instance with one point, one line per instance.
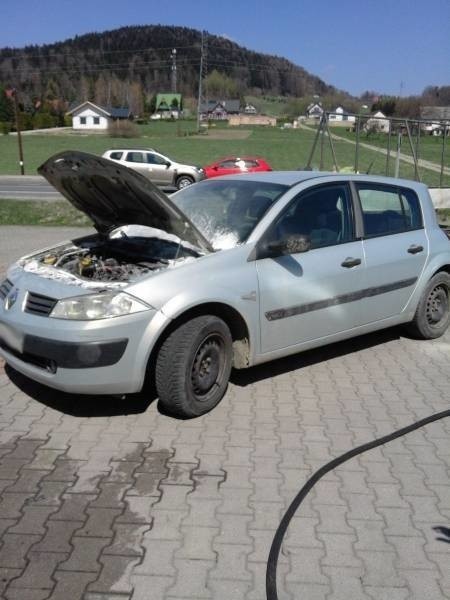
(227, 211)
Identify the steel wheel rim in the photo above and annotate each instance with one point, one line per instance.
(207, 367)
(437, 307)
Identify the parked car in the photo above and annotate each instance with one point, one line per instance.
(160, 169)
(234, 271)
(233, 165)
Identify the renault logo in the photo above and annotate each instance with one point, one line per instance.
(11, 298)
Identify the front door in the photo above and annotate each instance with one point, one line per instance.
(314, 294)
(159, 169)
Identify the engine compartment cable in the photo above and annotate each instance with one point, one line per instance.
(272, 562)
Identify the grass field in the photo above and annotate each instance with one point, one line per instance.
(57, 213)
(284, 148)
(430, 149)
(30, 212)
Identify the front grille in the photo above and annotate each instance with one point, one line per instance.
(40, 305)
(5, 288)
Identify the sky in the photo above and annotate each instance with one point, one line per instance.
(395, 47)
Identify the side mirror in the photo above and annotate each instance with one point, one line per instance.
(291, 244)
(168, 164)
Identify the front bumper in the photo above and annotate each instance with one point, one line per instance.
(54, 354)
(100, 357)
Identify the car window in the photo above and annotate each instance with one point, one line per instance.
(116, 155)
(135, 157)
(155, 159)
(323, 214)
(251, 164)
(388, 209)
(227, 164)
(226, 212)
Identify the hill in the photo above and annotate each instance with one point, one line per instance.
(130, 64)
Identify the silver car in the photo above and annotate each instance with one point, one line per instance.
(230, 272)
(161, 170)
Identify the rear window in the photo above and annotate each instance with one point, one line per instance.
(388, 209)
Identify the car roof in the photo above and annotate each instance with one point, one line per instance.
(131, 150)
(240, 156)
(291, 178)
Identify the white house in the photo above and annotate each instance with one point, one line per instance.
(378, 121)
(314, 111)
(340, 114)
(250, 109)
(92, 116)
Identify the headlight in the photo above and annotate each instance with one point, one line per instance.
(97, 306)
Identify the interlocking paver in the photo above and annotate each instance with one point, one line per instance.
(15, 548)
(113, 500)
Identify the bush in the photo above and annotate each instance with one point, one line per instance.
(123, 129)
(44, 120)
(5, 127)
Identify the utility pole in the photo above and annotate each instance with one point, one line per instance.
(201, 76)
(12, 93)
(174, 71)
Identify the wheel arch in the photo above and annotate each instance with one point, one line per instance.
(442, 269)
(238, 326)
(179, 176)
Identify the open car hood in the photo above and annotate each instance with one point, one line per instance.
(113, 195)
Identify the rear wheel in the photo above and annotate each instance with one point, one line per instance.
(183, 181)
(433, 312)
(193, 366)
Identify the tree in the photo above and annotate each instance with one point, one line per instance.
(6, 107)
(386, 104)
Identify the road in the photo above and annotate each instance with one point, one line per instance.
(27, 187)
(34, 187)
(110, 499)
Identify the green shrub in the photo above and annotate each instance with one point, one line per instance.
(5, 127)
(44, 120)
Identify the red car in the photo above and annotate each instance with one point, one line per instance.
(233, 165)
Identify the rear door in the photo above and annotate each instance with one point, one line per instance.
(395, 247)
(136, 160)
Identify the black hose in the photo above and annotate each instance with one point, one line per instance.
(271, 572)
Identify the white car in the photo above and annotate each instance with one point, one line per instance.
(161, 170)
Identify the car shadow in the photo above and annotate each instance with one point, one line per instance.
(307, 358)
(82, 405)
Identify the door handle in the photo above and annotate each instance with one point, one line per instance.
(351, 262)
(414, 249)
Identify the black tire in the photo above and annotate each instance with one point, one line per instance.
(183, 181)
(193, 366)
(433, 312)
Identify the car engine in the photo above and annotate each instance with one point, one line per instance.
(120, 259)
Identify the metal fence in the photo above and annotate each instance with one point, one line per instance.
(411, 148)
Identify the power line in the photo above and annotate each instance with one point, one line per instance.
(22, 53)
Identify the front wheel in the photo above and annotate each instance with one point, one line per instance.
(193, 366)
(433, 312)
(183, 181)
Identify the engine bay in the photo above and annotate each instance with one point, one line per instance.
(119, 258)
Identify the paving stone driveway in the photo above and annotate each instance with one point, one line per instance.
(102, 498)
